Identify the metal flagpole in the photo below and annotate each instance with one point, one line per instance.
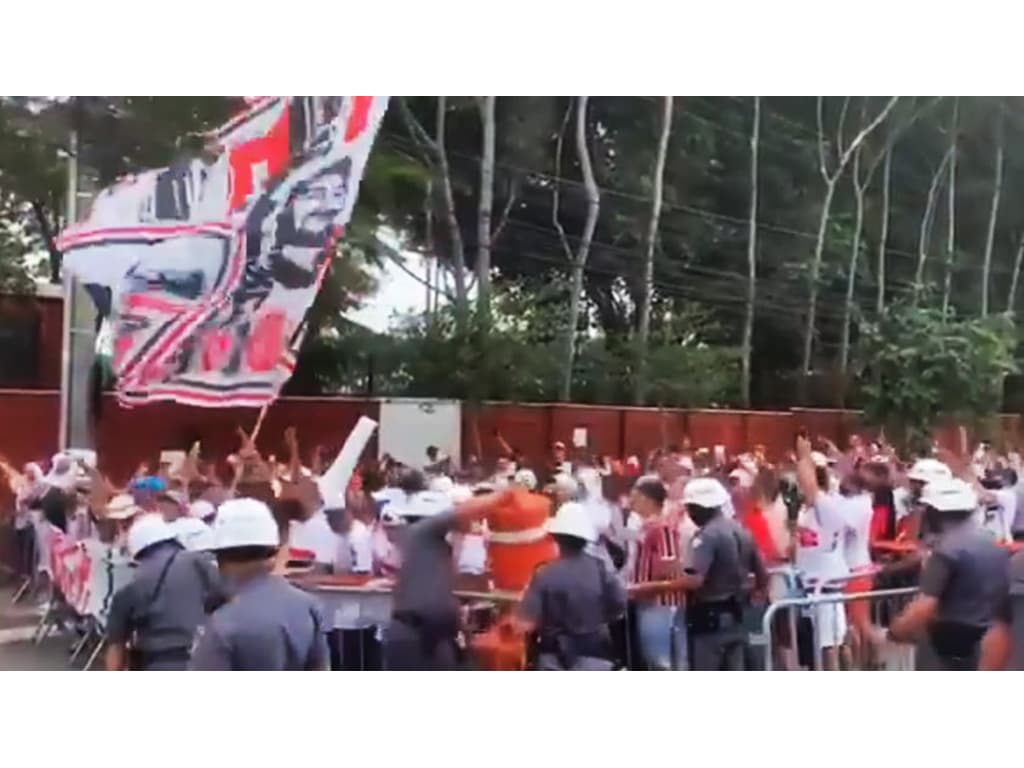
(67, 359)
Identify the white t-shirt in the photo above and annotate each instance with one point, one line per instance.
(472, 554)
(819, 539)
(355, 550)
(857, 535)
(998, 520)
(315, 534)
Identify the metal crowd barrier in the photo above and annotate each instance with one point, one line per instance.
(880, 599)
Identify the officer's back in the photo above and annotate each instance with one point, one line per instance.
(732, 555)
(155, 616)
(267, 624)
(977, 574)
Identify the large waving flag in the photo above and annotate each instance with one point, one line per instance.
(209, 266)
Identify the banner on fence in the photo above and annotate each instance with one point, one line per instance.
(208, 267)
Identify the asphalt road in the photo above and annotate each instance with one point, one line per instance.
(17, 651)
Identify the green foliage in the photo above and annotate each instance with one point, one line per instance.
(920, 366)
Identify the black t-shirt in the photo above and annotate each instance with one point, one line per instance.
(54, 505)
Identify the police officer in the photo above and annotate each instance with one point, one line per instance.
(961, 582)
(154, 617)
(267, 624)
(570, 601)
(1003, 644)
(723, 556)
(424, 620)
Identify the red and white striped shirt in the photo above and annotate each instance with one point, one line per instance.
(659, 540)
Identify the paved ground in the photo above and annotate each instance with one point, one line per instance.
(17, 652)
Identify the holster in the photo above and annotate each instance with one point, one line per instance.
(952, 640)
(704, 618)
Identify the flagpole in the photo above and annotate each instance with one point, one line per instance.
(67, 359)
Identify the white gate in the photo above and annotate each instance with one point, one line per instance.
(409, 426)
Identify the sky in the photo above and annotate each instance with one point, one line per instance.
(398, 292)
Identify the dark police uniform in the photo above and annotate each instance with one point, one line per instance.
(966, 572)
(424, 618)
(725, 555)
(268, 626)
(158, 612)
(1010, 610)
(571, 601)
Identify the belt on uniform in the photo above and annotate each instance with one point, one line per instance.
(705, 617)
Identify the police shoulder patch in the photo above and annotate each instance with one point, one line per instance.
(697, 541)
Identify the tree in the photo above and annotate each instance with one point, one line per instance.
(583, 250)
(647, 290)
(748, 323)
(957, 368)
(830, 178)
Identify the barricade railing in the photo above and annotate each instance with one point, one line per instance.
(879, 598)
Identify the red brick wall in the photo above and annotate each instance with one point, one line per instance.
(30, 420)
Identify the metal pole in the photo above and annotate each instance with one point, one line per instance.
(66, 358)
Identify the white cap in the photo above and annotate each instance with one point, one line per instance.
(949, 495)
(148, 530)
(705, 492)
(193, 533)
(122, 507)
(460, 493)
(566, 484)
(244, 523)
(820, 459)
(388, 495)
(423, 504)
(526, 478)
(441, 484)
(743, 477)
(572, 519)
(929, 470)
(201, 509)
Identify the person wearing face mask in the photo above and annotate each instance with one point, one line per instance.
(724, 557)
(961, 583)
(267, 624)
(153, 618)
(570, 601)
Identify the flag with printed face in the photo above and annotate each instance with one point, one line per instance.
(208, 267)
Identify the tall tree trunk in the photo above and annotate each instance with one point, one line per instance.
(647, 287)
(748, 320)
(883, 235)
(851, 279)
(830, 178)
(924, 236)
(580, 261)
(1011, 298)
(46, 230)
(812, 299)
(997, 189)
(951, 206)
(483, 255)
(454, 233)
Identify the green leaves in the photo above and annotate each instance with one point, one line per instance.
(920, 366)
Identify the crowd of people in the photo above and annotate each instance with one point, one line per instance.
(661, 563)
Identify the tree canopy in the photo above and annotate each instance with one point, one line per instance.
(862, 204)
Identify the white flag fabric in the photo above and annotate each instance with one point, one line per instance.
(210, 265)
